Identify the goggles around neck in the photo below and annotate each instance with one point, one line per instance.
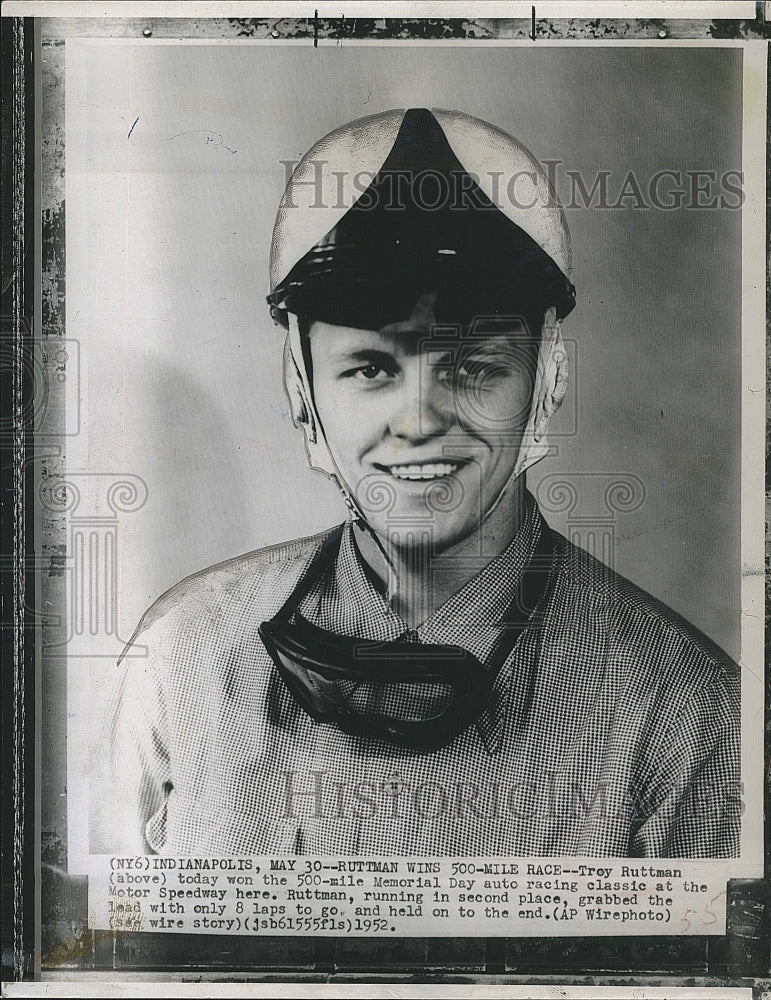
(414, 695)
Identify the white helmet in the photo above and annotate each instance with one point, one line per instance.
(386, 206)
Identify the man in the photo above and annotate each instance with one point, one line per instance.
(442, 674)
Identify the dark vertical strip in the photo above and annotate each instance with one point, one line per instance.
(7, 813)
(765, 936)
(25, 609)
(747, 930)
(35, 285)
(19, 518)
(18, 586)
(495, 956)
(31, 606)
(324, 955)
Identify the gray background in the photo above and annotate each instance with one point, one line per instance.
(167, 242)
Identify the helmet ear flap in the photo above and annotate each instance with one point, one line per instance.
(554, 379)
(296, 393)
(548, 393)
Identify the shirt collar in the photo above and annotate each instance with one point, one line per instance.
(349, 602)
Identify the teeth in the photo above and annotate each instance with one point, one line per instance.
(431, 471)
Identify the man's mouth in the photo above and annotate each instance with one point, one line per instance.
(424, 472)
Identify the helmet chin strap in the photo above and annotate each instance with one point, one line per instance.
(550, 386)
(305, 415)
(548, 392)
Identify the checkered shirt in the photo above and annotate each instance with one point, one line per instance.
(612, 728)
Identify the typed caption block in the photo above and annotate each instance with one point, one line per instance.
(405, 897)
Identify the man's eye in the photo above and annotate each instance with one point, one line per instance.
(369, 373)
(481, 371)
(473, 370)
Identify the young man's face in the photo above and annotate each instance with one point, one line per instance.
(424, 426)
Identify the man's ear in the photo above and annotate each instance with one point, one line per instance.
(296, 392)
(554, 380)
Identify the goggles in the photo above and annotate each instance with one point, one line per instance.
(414, 695)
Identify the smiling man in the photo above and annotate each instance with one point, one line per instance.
(391, 402)
(442, 674)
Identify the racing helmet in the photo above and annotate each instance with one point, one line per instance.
(389, 205)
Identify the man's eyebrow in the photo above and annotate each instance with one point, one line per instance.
(497, 345)
(369, 354)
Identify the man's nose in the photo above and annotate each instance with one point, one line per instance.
(423, 408)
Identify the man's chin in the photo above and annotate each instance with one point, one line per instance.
(432, 536)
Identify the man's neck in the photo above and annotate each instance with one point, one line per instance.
(421, 581)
